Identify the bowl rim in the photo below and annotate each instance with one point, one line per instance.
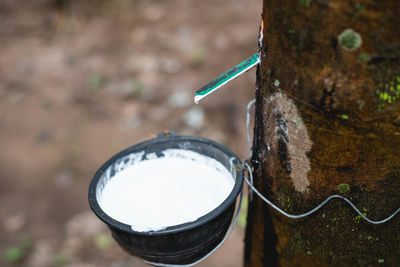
(231, 199)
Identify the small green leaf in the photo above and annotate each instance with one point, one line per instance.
(13, 254)
(60, 260)
(242, 220)
(95, 81)
(102, 241)
(381, 260)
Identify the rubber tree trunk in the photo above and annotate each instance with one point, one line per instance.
(327, 121)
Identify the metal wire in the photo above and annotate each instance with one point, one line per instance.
(298, 216)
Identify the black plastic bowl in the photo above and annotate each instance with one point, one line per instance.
(179, 244)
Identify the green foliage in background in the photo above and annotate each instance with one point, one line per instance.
(102, 241)
(242, 220)
(14, 254)
(60, 260)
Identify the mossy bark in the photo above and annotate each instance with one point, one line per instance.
(327, 121)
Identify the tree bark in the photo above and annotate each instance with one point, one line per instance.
(327, 121)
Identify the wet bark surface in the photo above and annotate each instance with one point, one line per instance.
(327, 122)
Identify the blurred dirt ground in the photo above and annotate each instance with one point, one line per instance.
(81, 80)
